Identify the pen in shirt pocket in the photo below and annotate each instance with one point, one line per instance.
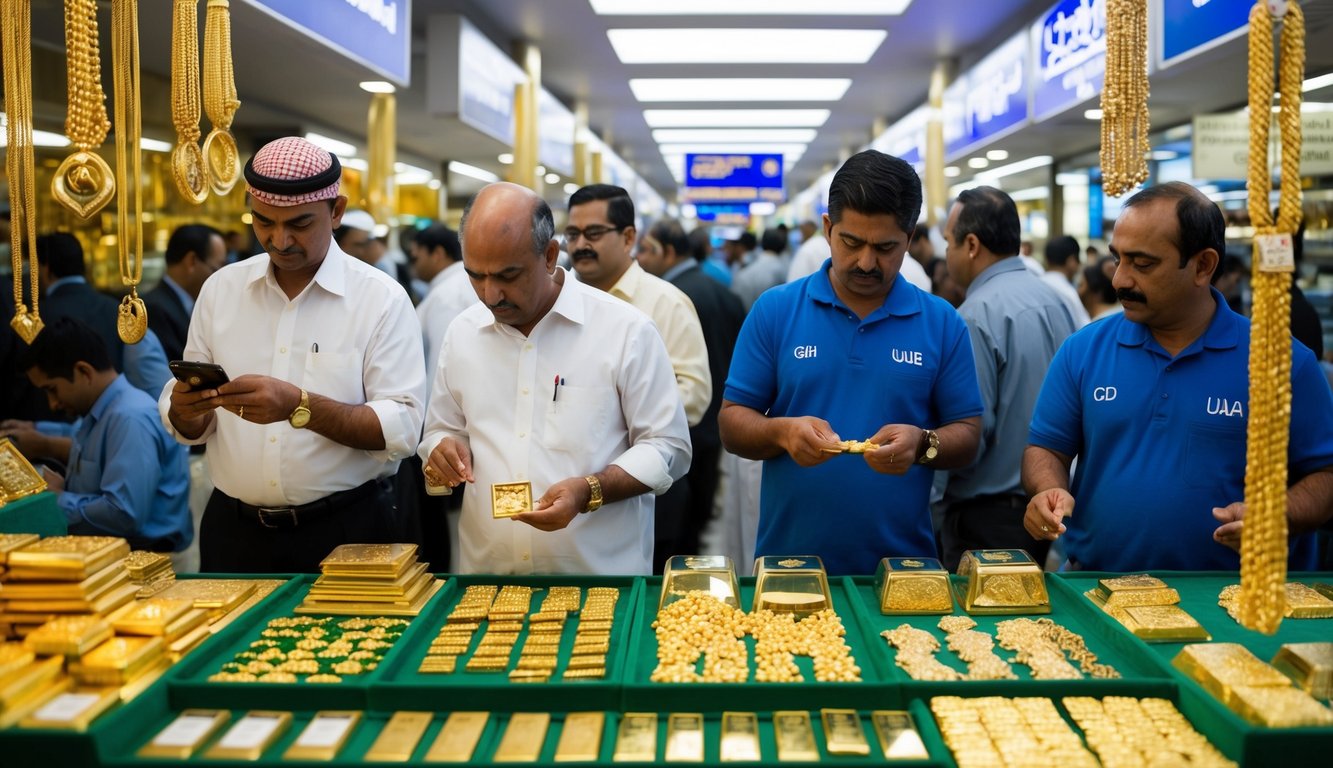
(555, 389)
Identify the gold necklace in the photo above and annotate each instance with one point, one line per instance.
(132, 322)
(1124, 126)
(187, 159)
(16, 21)
(222, 158)
(83, 183)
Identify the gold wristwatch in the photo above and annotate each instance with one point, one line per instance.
(301, 416)
(595, 501)
(930, 447)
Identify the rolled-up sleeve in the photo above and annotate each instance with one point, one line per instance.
(395, 381)
(659, 436)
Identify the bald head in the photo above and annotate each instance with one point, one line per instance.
(509, 213)
(509, 254)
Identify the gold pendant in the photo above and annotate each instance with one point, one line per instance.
(222, 160)
(132, 321)
(26, 324)
(187, 166)
(83, 183)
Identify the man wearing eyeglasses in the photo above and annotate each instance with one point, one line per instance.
(600, 239)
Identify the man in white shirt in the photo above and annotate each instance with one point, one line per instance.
(600, 238)
(611, 429)
(437, 259)
(1062, 265)
(327, 386)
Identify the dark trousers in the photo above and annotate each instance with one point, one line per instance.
(234, 539)
(669, 511)
(988, 522)
(703, 488)
(432, 520)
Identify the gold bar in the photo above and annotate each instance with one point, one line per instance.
(580, 737)
(796, 739)
(685, 737)
(186, 734)
(523, 738)
(1309, 665)
(898, 736)
(398, 739)
(458, 738)
(843, 733)
(250, 736)
(636, 738)
(323, 736)
(510, 499)
(74, 710)
(740, 737)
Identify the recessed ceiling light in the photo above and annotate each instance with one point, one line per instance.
(752, 46)
(377, 86)
(733, 136)
(331, 145)
(952, 171)
(749, 7)
(506, 158)
(434, 184)
(1093, 114)
(735, 118)
(977, 162)
(541, 170)
(472, 171)
(355, 163)
(151, 145)
(997, 154)
(571, 188)
(552, 178)
(739, 89)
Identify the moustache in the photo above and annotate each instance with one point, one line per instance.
(875, 273)
(583, 253)
(288, 252)
(502, 305)
(1125, 294)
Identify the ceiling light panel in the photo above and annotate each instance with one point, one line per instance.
(732, 149)
(733, 135)
(735, 118)
(739, 89)
(750, 46)
(749, 7)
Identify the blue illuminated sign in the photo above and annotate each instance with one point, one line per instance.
(733, 178)
(728, 213)
(1070, 51)
(990, 100)
(375, 33)
(1190, 27)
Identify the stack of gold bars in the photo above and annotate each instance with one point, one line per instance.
(1146, 606)
(152, 572)
(1303, 601)
(63, 575)
(222, 600)
(378, 579)
(177, 622)
(1249, 687)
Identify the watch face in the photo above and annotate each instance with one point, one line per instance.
(300, 418)
(932, 452)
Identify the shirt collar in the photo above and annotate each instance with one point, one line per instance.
(444, 274)
(901, 301)
(628, 284)
(69, 280)
(1000, 267)
(109, 395)
(331, 276)
(1223, 330)
(186, 299)
(681, 267)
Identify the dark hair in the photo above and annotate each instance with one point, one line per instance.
(191, 238)
(922, 232)
(542, 223)
(747, 240)
(701, 243)
(774, 240)
(619, 206)
(1199, 222)
(63, 343)
(440, 236)
(62, 253)
(1060, 250)
(669, 232)
(1099, 284)
(871, 182)
(991, 215)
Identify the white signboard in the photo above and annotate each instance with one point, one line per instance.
(1222, 145)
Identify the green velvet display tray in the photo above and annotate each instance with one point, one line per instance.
(873, 692)
(1140, 676)
(398, 684)
(37, 514)
(1253, 745)
(188, 680)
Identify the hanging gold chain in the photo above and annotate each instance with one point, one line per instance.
(132, 322)
(1124, 129)
(1263, 553)
(220, 102)
(84, 183)
(16, 29)
(187, 159)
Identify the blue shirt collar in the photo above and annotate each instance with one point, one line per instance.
(109, 395)
(70, 280)
(1223, 332)
(680, 268)
(187, 300)
(1007, 264)
(901, 301)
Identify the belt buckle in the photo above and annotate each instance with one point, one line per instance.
(267, 514)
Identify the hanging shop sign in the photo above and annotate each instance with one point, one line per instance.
(733, 178)
(1222, 145)
(1190, 27)
(555, 134)
(376, 34)
(470, 77)
(906, 138)
(989, 101)
(1069, 47)
(736, 214)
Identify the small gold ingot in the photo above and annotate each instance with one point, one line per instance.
(523, 738)
(186, 734)
(797, 585)
(740, 737)
(250, 736)
(18, 478)
(74, 710)
(458, 738)
(1162, 624)
(898, 736)
(636, 738)
(795, 737)
(909, 586)
(580, 737)
(1001, 581)
(685, 737)
(399, 738)
(1310, 665)
(510, 499)
(843, 733)
(323, 736)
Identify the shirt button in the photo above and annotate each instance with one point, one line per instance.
(273, 483)
(526, 556)
(273, 439)
(860, 330)
(525, 390)
(283, 350)
(1164, 395)
(1168, 367)
(528, 347)
(522, 434)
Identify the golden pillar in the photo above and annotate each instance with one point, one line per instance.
(526, 117)
(937, 191)
(382, 131)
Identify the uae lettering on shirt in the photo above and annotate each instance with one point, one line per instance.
(805, 352)
(907, 356)
(1221, 406)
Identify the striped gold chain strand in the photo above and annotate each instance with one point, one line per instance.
(16, 37)
(187, 159)
(83, 183)
(132, 322)
(1263, 561)
(1124, 127)
(220, 154)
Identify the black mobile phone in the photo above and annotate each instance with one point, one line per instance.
(198, 375)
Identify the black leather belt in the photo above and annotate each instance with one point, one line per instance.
(1010, 500)
(291, 517)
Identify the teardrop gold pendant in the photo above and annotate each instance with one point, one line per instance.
(26, 324)
(187, 166)
(132, 320)
(83, 183)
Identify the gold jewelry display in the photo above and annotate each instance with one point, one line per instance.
(1263, 554)
(187, 159)
(83, 183)
(132, 322)
(221, 158)
(1124, 151)
(16, 27)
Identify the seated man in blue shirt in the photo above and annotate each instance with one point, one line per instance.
(852, 350)
(1154, 403)
(126, 476)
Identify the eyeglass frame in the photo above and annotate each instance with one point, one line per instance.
(602, 231)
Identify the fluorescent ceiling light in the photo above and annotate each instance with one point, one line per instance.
(952, 171)
(506, 158)
(434, 184)
(735, 118)
(977, 162)
(1000, 171)
(1093, 114)
(332, 145)
(410, 174)
(739, 88)
(1070, 179)
(689, 211)
(732, 149)
(750, 46)
(749, 7)
(355, 163)
(1031, 193)
(997, 154)
(472, 171)
(377, 86)
(733, 135)
(44, 139)
(1163, 154)
(1315, 83)
(552, 178)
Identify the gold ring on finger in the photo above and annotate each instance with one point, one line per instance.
(240, 411)
(1045, 529)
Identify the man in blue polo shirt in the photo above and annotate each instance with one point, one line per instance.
(1154, 404)
(852, 351)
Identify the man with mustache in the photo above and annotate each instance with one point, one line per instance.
(853, 352)
(327, 388)
(555, 384)
(1154, 404)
